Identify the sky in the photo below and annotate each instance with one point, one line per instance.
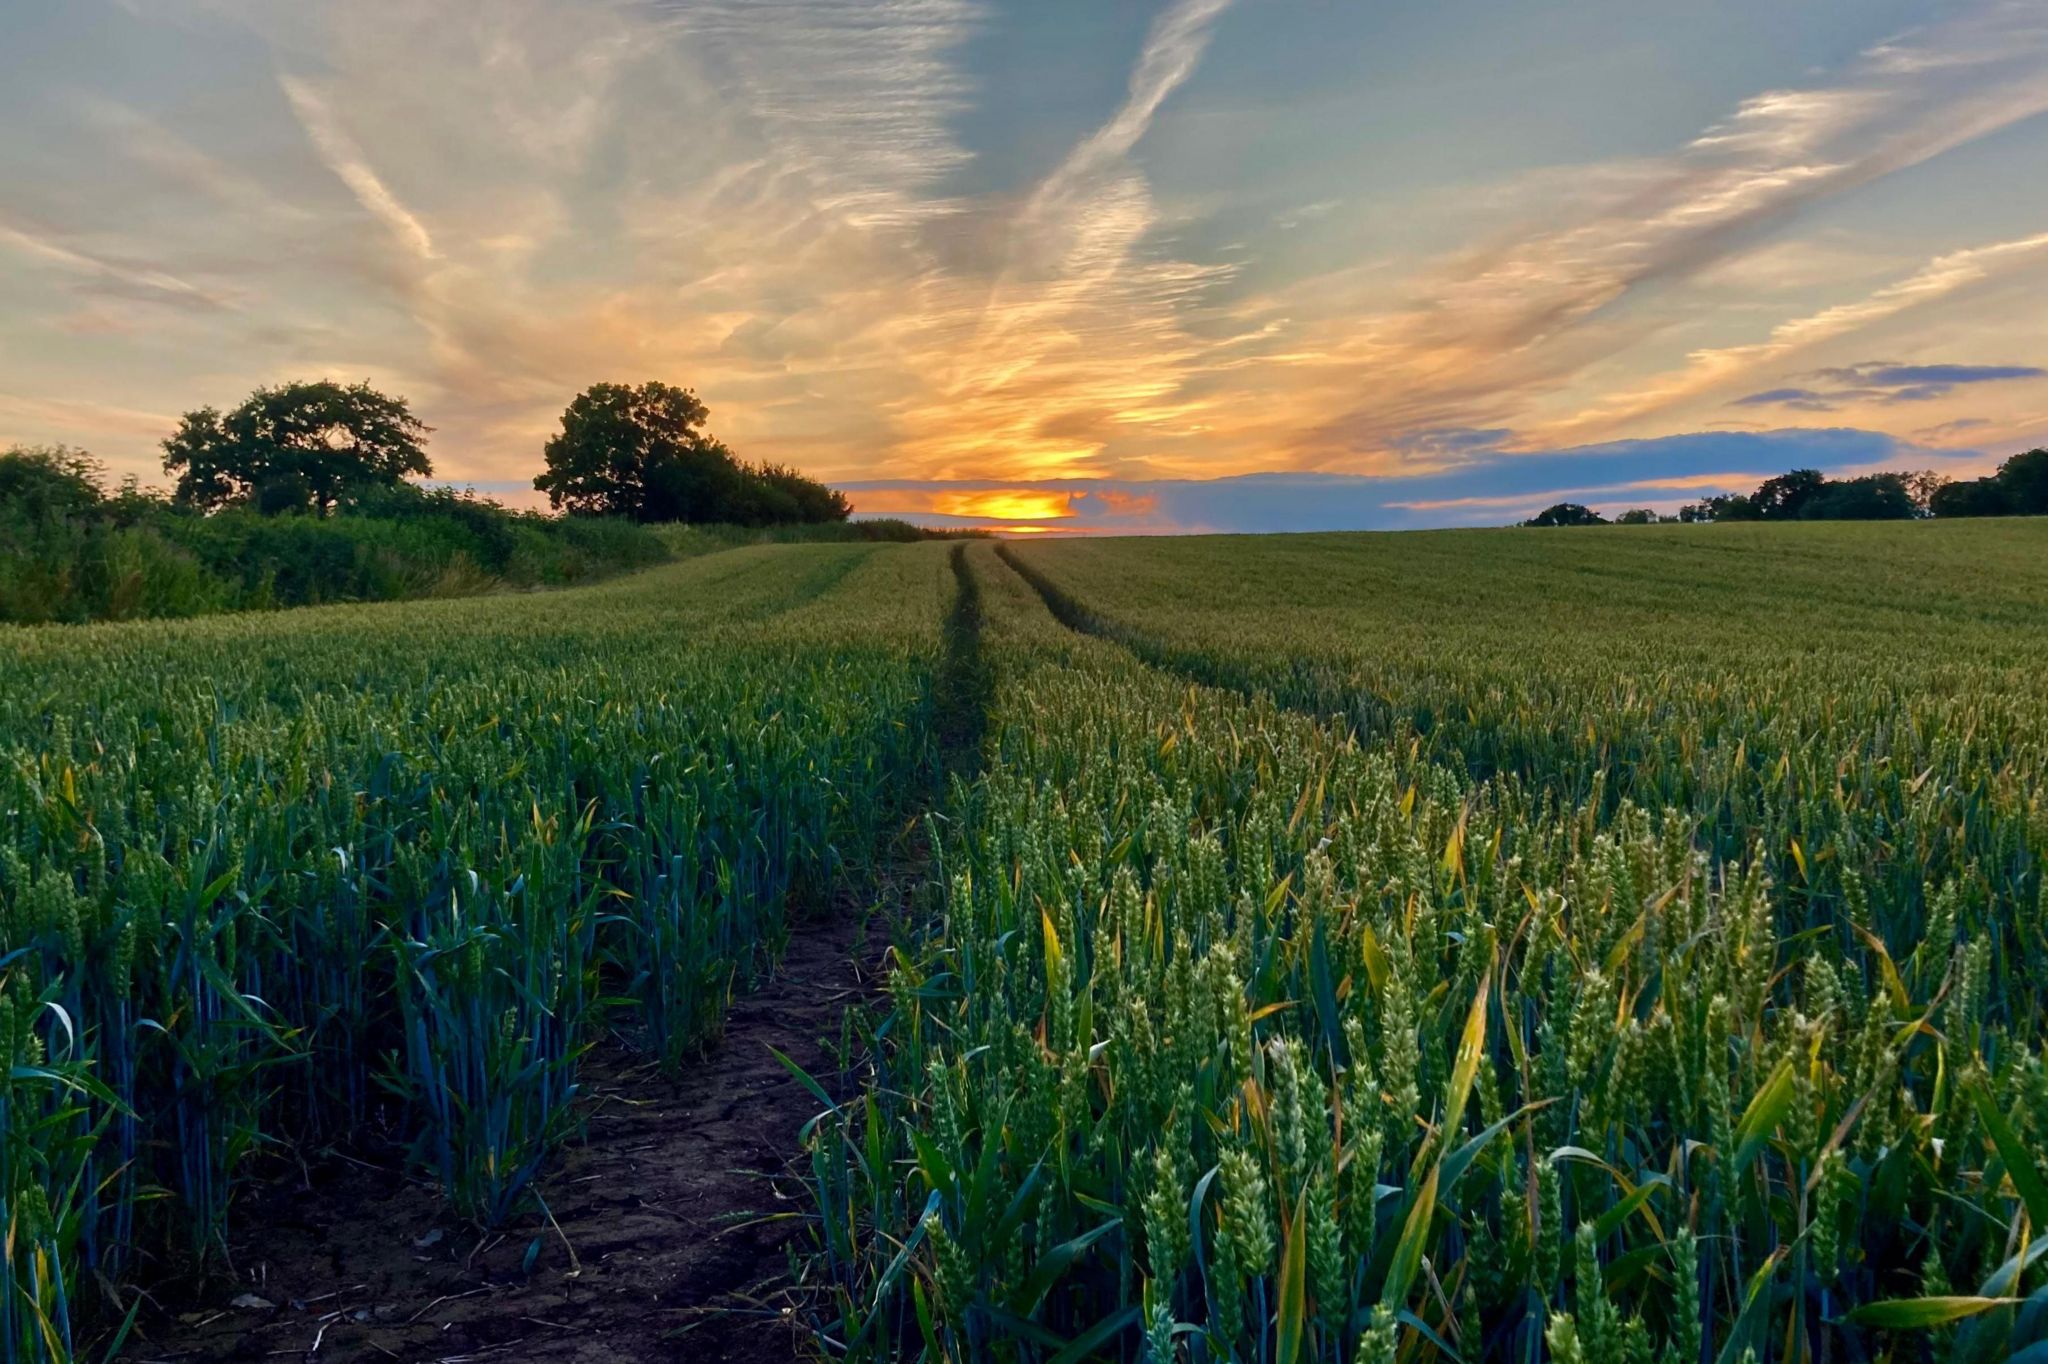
(1060, 266)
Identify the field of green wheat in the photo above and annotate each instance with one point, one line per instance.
(1623, 947)
(1478, 946)
(272, 879)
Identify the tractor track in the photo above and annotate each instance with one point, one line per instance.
(674, 1228)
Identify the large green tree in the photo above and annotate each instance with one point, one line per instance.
(1788, 497)
(638, 452)
(2024, 480)
(1872, 497)
(1566, 514)
(296, 446)
(49, 482)
(642, 452)
(2019, 488)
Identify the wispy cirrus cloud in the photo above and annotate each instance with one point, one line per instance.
(1943, 432)
(731, 195)
(1708, 370)
(1078, 341)
(1172, 51)
(174, 166)
(1495, 329)
(90, 422)
(346, 160)
(107, 273)
(1892, 376)
(487, 204)
(848, 101)
(1884, 383)
(1454, 442)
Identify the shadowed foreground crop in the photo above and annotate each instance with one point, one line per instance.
(1612, 945)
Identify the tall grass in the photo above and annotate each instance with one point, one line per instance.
(686, 540)
(165, 562)
(1630, 952)
(384, 874)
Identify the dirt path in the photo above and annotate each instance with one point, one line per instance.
(676, 1224)
(662, 1206)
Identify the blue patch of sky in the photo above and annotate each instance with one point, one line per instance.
(1966, 196)
(1043, 75)
(1376, 109)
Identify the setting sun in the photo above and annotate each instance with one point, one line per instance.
(1007, 505)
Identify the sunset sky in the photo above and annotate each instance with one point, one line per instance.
(1058, 264)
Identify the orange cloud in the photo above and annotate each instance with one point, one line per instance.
(1127, 504)
(812, 265)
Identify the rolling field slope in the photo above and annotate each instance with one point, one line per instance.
(1599, 946)
(385, 873)
(1611, 946)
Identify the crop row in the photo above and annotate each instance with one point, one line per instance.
(1636, 984)
(378, 877)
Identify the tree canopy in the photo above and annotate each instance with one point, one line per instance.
(2025, 480)
(45, 482)
(644, 453)
(1566, 514)
(1871, 497)
(2019, 488)
(1809, 495)
(1971, 497)
(296, 447)
(1788, 496)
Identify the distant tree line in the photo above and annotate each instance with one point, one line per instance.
(2019, 488)
(305, 492)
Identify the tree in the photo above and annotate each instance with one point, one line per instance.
(1924, 485)
(1971, 497)
(1786, 497)
(1873, 497)
(1636, 516)
(806, 499)
(639, 452)
(1721, 507)
(2019, 488)
(643, 453)
(296, 446)
(2024, 480)
(49, 482)
(1566, 514)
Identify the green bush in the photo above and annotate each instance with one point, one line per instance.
(70, 553)
(685, 540)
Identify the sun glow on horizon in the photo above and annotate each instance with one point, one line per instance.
(1006, 505)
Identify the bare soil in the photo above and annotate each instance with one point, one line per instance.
(681, 1208)
(675, 1225)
